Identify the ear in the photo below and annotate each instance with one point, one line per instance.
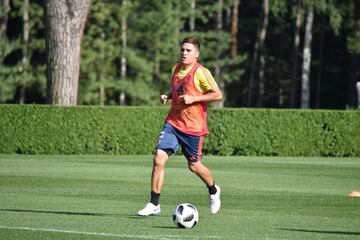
(197, 53)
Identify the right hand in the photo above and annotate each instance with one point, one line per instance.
(164, 98)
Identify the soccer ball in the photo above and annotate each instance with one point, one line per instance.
(185, 215)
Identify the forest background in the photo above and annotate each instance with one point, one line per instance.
(264, 53)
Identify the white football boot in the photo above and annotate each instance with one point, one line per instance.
(150, 210)
(215, 202)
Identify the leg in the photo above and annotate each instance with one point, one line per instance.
(202, 171)
(157, 180)
(157, 176)
(192, 149)
(167, 144)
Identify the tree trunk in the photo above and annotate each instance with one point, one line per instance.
(157, 63)
(64, 23)
(294, 81)
(305, 81)
(5, 4)
(228, 11)
(260, 38)
(319, 73)
(178, 23)
(358, 93)
(281, 97)
(123, 52)
(100, 73)
(234, 29)
(253, 67)
(354, 74)
(218, 77)
(25, 53)
(262, 54)
(260, 98)
(192, 15)
(102, 94)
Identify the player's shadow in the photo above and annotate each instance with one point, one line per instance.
(73, 213)
(322, 231)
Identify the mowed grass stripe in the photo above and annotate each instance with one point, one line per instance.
(109, 234)
(263, 197)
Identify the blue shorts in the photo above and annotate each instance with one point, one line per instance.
(170, 138)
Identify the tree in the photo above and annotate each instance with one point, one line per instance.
(305, 80)
(5, 9)
(353, 45)
(262, 54)
(218, 75)
(234, 29)
(294, 75)
(64, 23)
(23, 65)
(320, 65)
(8, 73)
(358, 94)
(25, 52)
(334, 11)
(192, 15)
(258, 48)
(102, 56)
(129, 48)
(124, 48)
(152, 55)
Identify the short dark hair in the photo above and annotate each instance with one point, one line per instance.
(192, 40)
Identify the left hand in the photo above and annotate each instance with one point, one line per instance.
(187, 99)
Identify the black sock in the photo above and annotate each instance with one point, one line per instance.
(155, 198)
(212, 189)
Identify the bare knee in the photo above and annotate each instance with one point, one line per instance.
(160, 159)
(194, 167)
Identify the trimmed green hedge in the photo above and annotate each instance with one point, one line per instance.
(275, 132)
(40, 129)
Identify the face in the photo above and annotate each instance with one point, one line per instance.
(189, 54)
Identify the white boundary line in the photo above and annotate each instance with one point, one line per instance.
(113, 234)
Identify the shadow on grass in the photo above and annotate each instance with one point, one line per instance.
(167, 227)
(322, 231)
(78, 213)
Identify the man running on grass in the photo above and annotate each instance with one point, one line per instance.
(192, 88)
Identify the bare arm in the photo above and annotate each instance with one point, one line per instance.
(212, 95)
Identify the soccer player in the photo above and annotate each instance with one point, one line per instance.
(192, 88)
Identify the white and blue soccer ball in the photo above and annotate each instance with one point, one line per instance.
(185, 215)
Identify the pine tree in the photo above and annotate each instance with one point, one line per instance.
(8, 73)
(100, 54)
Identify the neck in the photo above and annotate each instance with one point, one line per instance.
(186, 66)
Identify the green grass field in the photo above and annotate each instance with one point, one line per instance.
(97, 197)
